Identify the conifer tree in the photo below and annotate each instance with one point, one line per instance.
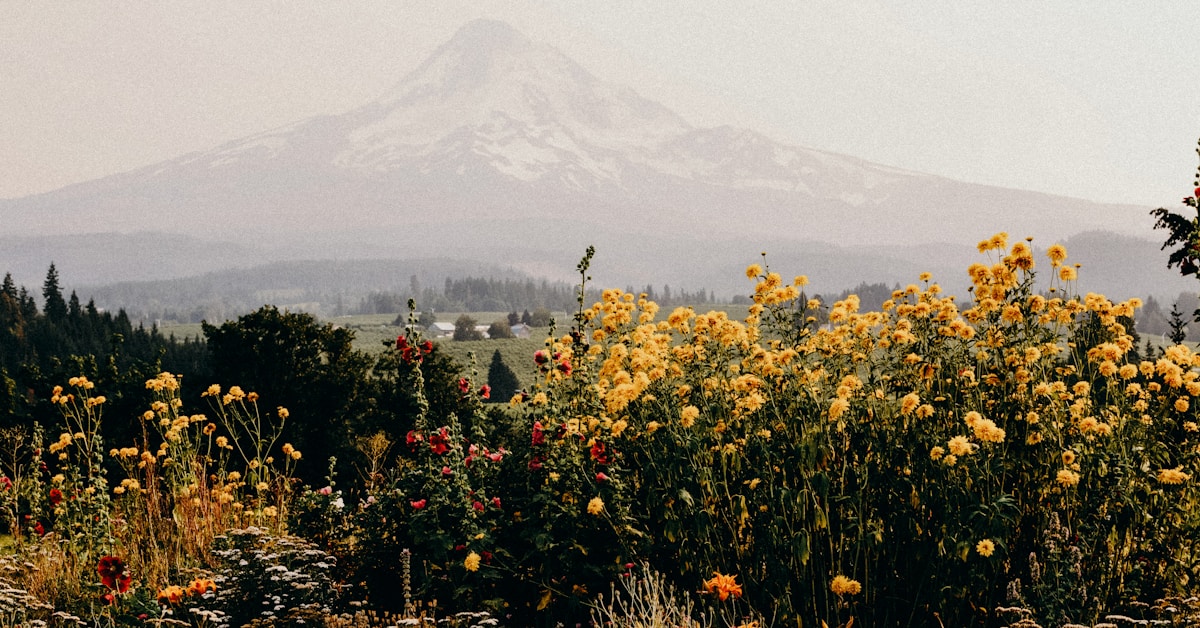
(502, 379)
(54, 306)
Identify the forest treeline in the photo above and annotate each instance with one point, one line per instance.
(336, 394)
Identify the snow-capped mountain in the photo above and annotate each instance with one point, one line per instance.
(502, 144)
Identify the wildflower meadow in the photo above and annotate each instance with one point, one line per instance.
(1009, 457)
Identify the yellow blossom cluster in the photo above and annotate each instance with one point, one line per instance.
(843, 585)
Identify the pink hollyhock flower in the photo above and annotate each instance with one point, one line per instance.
(418, 504)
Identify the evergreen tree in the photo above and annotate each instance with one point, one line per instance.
(74, 309)
(1178, 325)
(502, 379)
(54, 306)
(9, 289)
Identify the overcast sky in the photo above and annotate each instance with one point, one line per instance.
(1096, 99)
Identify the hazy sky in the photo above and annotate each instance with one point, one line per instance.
(1097, 99)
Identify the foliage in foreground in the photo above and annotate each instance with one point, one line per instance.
(1007, 459)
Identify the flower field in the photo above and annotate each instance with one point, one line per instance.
(1011, 458)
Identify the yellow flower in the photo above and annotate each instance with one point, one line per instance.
(1173, 476)
(283, 412)
(838, 408)
(985, 547)
(1067, 478)
(595, 506)
(1057, 253)
(909, 403)
(960, 446)
(936, 453)
(1181, 404)
(753, 271)
(1066, 273)
(1068, 457)
(842, 585)
(688, 415)
(471, 562)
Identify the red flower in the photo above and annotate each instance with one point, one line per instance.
(438, 440)
(541, 357)
(565, 367)
(112, 573)
(401, 342)
(463, 385)
(601, 477)
(478, 506)
(41, 531)
(447, 471)
(495, 457)
(485, 391)
(419, 504)
(599, 453)
(5, 483)
(427, 346)
(108, 599)
(1197, 192)
(56, 497)
(496, 502)
(538, 437)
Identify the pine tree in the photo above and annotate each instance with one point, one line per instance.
(502, 379)
(54, 306)
(1178, 325)
(10, 288)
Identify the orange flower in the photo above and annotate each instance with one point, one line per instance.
(200, 585)
(171, 595)
(723, 586)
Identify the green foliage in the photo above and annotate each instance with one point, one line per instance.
(499, 329)
(464, 329)
(308, 368)
(1183, 232)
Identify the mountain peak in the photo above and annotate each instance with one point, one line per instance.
(478, 53)
(487, 35)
